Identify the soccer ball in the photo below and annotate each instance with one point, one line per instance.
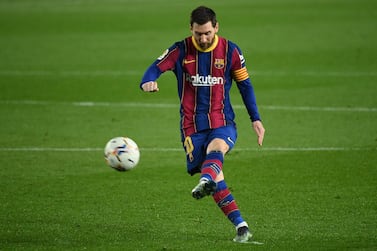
(122, 153)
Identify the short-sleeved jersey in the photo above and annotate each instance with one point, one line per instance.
(204, 79)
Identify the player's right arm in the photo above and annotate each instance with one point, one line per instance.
(148, 82)
(163, 63)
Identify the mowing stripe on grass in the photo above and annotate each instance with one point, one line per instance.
(176, 106)
(155, 149)
(120, 73)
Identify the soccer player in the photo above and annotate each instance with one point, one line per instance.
(205, 65)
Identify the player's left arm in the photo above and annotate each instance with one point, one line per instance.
(248, 97)
(241, 76)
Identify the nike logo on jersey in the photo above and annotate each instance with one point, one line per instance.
(189, 61)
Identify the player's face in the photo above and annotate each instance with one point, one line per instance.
(204, 34)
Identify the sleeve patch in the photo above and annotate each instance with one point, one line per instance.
(163, 54)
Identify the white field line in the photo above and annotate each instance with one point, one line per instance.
(72, 73)
(176, 106)
(155, 149)
(118, 73)
(320, 109)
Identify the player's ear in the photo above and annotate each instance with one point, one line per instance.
(216, 27)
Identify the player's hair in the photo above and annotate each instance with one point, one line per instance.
(202, 15)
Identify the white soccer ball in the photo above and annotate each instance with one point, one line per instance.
(122, 153)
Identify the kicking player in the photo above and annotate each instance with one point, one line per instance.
(205, 65)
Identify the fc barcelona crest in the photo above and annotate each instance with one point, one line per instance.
(219, 63)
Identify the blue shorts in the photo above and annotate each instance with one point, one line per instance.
(196, 145)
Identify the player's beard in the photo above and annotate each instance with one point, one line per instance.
(205, 46)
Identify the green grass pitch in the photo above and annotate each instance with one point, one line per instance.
(69, 75)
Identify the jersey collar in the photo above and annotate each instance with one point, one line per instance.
(211, 48)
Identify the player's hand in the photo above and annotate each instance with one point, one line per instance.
(259, 130)
(150, 86)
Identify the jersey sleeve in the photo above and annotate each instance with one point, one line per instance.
(165, 62)
(241, 76)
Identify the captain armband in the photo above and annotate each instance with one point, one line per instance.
(240, 75)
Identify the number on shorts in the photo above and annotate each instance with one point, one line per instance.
(189, 148)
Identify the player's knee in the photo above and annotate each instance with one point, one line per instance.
(218, 145)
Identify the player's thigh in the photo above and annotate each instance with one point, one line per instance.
(222, 139)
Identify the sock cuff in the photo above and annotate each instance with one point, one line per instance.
(242, 224)
(221, 185)
(215, 155)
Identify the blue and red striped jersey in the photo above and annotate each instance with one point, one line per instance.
(204, 80)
